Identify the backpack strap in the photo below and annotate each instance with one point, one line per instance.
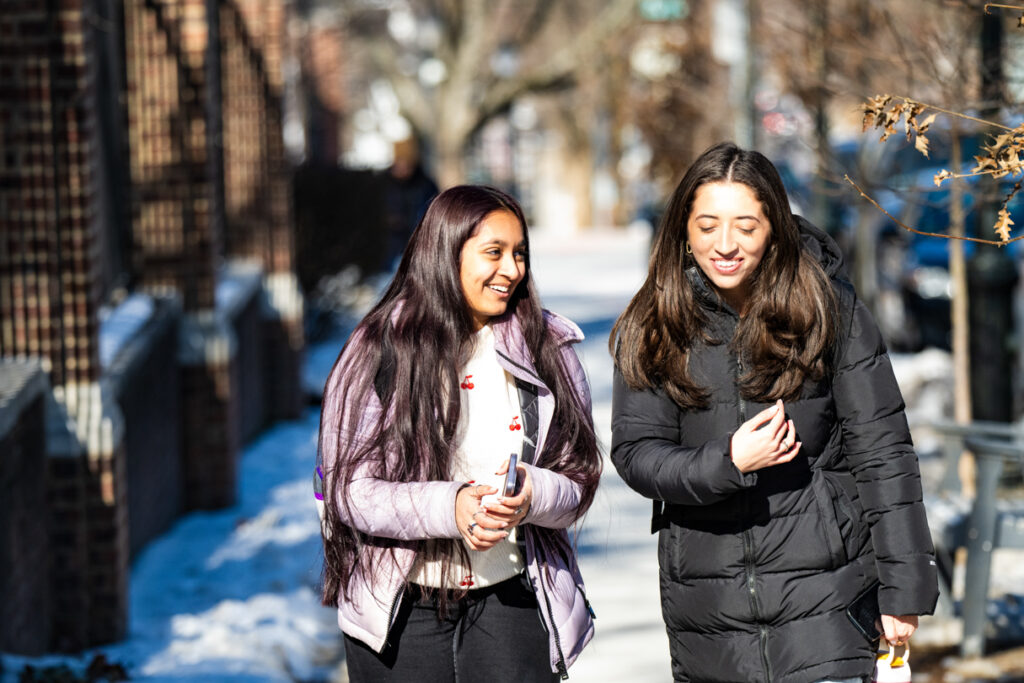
(531, 419)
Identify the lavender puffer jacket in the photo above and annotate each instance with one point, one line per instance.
(412, 511)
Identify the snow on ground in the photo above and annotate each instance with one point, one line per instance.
(229, 596)
(121, 323)
(590, 278)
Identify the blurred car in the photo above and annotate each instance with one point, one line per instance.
(913, 285)
(925, 282)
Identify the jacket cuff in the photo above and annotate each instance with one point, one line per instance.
(909, 585)
(451, 529)
(555, 498)
(729, 471)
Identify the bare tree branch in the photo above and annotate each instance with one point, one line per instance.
(997, 243)
(411, 96)
(585, 45)
(535, 20)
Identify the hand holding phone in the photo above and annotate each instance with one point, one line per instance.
(511, 477)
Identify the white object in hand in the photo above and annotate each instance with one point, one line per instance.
(892, 666)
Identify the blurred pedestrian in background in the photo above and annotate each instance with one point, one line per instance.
(436, 577)
(754, 401)
(407, 193)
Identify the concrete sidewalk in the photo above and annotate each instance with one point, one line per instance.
(590, 278)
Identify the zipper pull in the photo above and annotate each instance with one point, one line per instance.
(562, 673)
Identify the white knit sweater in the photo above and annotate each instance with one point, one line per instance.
(490, 428)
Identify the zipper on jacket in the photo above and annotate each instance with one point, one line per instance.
(391, 612)
(586, 603)
(563, 672)
(748, 562)
(764, 653)
(751, 572)
(748, 547)
(739, 394)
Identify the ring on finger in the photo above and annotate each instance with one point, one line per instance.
(518, 510)
(472, 525)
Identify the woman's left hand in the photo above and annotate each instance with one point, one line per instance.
(512, 509)
(897, 630)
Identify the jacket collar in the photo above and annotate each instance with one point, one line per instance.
(511, 346)
(705, 294)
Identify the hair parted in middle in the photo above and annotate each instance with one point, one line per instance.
(418, 337)
(789, 322)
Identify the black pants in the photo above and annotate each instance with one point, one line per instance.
(493, 634)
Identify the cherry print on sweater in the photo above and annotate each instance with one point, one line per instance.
(515, 426)
(489, 399)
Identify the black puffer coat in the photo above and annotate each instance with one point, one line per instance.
(757, 569)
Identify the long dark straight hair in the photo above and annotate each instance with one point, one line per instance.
(424, 322)
(788, 326)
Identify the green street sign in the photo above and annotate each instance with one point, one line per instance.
(664, 10)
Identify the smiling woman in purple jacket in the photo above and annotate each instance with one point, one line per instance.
(436, 575)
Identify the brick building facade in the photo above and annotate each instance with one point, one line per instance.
(141, 153)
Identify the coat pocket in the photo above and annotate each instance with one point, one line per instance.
(829, 522)
(849, 513)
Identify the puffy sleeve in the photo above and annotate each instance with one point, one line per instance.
(879, 452)
(375, 506)
(647, 454)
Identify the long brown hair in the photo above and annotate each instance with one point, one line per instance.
(788, 326)
(408, 351)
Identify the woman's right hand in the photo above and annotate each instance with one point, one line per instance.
(480, 530)
(764, 440)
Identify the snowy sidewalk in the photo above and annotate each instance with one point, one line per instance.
(229, 596)
(590, 278)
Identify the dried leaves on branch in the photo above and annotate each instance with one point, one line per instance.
(879, 113)
(1020, 19)
(1000, 158)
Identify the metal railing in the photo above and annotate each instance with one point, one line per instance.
(988, 526)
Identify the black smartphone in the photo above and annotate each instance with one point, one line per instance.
(509, 489)
(865, 614)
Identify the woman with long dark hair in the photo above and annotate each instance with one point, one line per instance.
(754, 402)
(436, 573)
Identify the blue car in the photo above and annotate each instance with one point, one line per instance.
(926, 284)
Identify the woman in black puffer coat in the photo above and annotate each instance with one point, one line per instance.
(755, 403)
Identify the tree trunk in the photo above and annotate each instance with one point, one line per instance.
(821, 122)
(866, 257)
(450, 167)
(579, 173)
(451, 139)
(958, 316)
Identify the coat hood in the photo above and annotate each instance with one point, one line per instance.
(822, 247)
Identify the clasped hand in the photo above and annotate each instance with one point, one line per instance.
(484, 525)
(898, 629)
(764, 440)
